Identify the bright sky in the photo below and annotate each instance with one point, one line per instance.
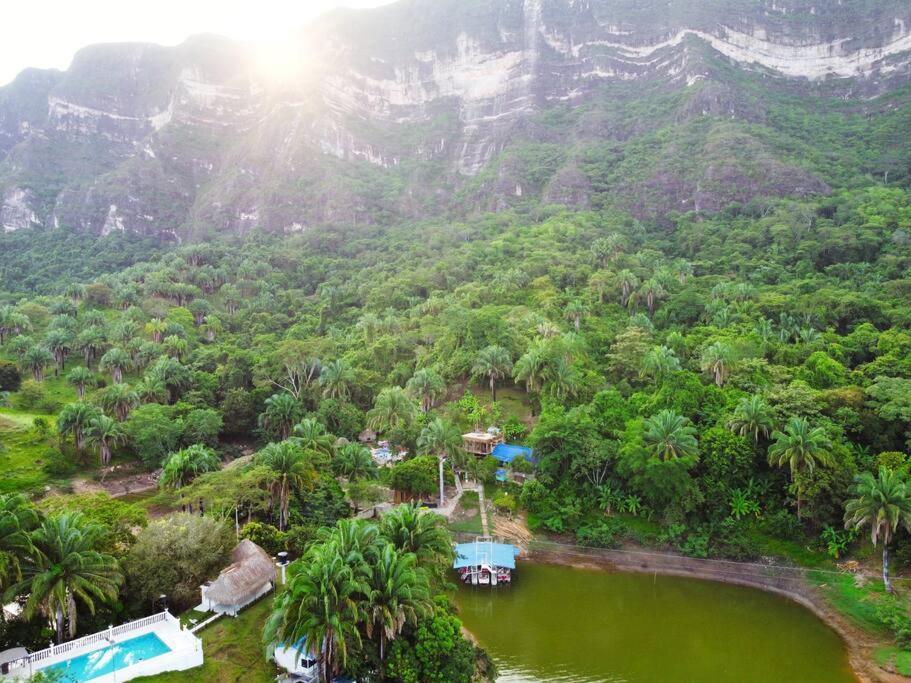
(46, 33)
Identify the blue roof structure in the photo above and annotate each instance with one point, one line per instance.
(505, 452)
(495, 554)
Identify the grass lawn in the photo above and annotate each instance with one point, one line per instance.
(22, 453)
(233, 651)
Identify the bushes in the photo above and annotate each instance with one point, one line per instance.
(10, 377)
(599, 534)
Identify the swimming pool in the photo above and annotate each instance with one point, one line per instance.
(109, 659)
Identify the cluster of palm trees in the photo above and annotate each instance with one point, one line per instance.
(360, 582)
(54, 563)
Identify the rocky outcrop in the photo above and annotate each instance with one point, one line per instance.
(416, 106)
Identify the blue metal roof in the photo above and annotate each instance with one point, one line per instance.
(505, 452)
(496, 554)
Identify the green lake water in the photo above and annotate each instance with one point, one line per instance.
(579, 625)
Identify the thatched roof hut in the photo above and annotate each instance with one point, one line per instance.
(251, 574)
(367, 436)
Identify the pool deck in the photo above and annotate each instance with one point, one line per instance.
(186, 650)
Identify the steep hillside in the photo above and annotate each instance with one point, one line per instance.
(452, 107)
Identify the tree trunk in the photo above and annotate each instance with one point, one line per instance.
(493, 389)
(886, 583)
(58, 623)
(798, 503)
(442, 496)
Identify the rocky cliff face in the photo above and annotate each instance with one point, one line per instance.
(436, 106)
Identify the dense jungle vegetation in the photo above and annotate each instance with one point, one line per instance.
(728, 386)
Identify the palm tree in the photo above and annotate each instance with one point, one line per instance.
(156, 329)
(175, 346)
(651, 290)
(659, 362)
(59, 342)
(17, 519)
(151, 390)
(312, 436)
(89, 341)
(441, 439)
(73, 419)
(355, 462)
(801, 448)
(36, 359)
(532, 366)
(670, 436)
(319, 607)
(80, 377)
(752, 416)
(119, 399)
(628, 282)
(717, 359)
(115, 361)
(185, 465)
(428, 385)
(398, 595)
(562, 380)
(105, 433)
(494, 363)
(413, 529)
(391, 408)
(67, 566)
(336, 379)
(280, 414)
(882, 502)
(288, 465)
(574, 312)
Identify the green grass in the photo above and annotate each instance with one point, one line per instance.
(858, 603)
(233, 651)
(894, 658)
(23, 452)
(800, 553)
(472, 525)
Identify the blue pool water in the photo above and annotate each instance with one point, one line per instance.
(106, 660)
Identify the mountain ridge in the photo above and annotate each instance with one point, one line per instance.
(421, 108)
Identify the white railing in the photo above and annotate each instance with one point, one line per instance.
(101, 636)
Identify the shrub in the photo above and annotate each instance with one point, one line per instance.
(599, 534)
(10, 377)
(30, 395)
(265, 536)
(56, 464)
(504, 502)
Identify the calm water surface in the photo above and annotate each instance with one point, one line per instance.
(578, 625)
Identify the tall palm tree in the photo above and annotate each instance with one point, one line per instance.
(312, 436)
(391, 408)
(59, 342)
(156, 329)
(651, 290)
(717, 359)
(17, 519)
(319, 607)
(670, 436)
(659, 362)
(115, 361)
(752, 416)
(80, 377)
(442, 439)
(628, 283)
(413, 529)
(119, 399)
(355, 462)
(532, 366)
(36, 359)
(427, 384)
(801, 448)
(562, 380)
(882, 502)
(65, 567)
(184, 465)
(90, 341)
(151, 390)
(397, 595)
(105, 433)
(280, 414)
(336, 379)
(494, 363)
(73, 419)
(288, 465)
(574, 312)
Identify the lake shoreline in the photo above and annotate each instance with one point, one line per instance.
(859, 644)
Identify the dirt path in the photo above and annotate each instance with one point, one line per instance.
(482, 507)
(860, 644)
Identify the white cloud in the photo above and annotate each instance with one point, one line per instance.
(46, 33)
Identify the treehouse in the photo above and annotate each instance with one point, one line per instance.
(481, 443)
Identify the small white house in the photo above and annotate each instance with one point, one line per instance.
(250, 575)
(300, 665)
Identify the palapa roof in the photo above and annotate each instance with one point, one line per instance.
(250, 569)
